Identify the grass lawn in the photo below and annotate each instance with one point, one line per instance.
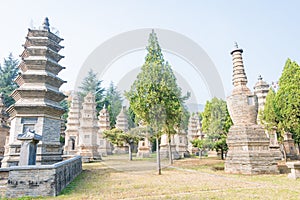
(117, 178)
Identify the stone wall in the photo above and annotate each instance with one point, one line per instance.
(42, 180)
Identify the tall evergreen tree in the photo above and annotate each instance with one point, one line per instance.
(91, 84)
(154, 96)
(8, 72)
(113, 102)
(287, 100)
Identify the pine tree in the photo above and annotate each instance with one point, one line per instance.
(113, 102)
(287, 100)
(91, 84)
(8, 73)
(154, 96)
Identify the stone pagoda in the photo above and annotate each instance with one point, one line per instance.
(88, 131)
(181, 143)
(194, 132)
(164, 147)
(122, 123)
(248, 145)
(4, 128)
(72, 130)
(37, 98)
(261, 90)
(105, 147)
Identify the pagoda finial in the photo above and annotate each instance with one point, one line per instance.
(259, 77)
(239, 75)
(236, 45)
(46, 25)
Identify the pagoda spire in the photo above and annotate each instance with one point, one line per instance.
(239, 79)
(239, 75)
(46, 25)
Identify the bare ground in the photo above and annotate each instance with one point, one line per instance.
(117, 178)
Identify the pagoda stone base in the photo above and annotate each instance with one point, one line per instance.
(276, 152)
(47, 154)
(144, 152)
(249, 151)
(89, 153)
(121, 150)
(182, 151)
(164, 152)
(105, 148)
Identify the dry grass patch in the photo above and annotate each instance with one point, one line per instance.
(189, 179)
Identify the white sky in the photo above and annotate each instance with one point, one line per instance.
(268, 31)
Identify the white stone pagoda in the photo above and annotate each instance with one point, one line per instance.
(72, 130)
(104, 146)
(88, 131)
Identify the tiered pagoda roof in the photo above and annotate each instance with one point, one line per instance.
(39, 85)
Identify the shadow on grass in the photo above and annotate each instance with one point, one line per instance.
(88, 180)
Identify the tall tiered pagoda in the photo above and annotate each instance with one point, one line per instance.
(248, 145)
(72, 130)
(194, 132)
(88, 131)
(37, 98)
(105, 147)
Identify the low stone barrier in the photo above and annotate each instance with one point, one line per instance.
(42, 180)
(295, 170)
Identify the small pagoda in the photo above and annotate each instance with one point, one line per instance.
(88, 131)
(261, 90)
(105, 147)
(37, 98)
(194, 132)
(72, 130)
(122, 123)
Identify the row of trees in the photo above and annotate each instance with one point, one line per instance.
(282, 108)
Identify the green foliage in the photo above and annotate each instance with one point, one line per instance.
(287, 100)
(113, 102)
(65, 104)
(216, 122)
(8, 72)
(119, 137)
(154, 96)
(131, 118)
(268, 116)
(91, 84)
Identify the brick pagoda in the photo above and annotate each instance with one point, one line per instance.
(37, 98)
(248, 145)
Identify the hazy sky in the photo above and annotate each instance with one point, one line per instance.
(267, 31)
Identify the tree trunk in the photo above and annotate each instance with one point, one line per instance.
(130, 151)
(222, 154)
(200, 153)
(170, 151)
(158, 155)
